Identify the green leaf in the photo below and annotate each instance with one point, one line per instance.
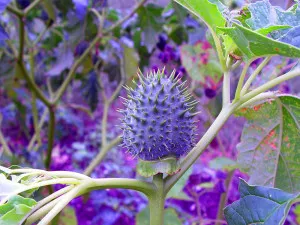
(68, 217)
(207, 11)
(223, 163)
(151, 168)
(170, 217)
(12, 212)
(267, 30)
(264, 15)
(151, 23)
(192, 60)
(176, 191)
(131, 61)
(259, 205)
(297, 212)
(269, 147)
(253, 44)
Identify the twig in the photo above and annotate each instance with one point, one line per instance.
(5, 146)
(254, 74)
(15, 11)
(96, 161)
(78, 62)
(224, 197)
(51, 131)
(31, 6)
(241, 80)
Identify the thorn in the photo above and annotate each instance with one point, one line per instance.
(181, 114)
(155, 110)
(172, 74)
(163, 123)
(164, 144)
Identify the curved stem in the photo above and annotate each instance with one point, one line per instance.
(124, 183)
(241, 81)
(31, 6)
(41, 209)
(254, 74)
(201, 145)
(101, 155)
(270, 84)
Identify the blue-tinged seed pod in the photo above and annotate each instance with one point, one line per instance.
(158, 122)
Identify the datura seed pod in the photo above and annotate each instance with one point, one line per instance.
(158, 122)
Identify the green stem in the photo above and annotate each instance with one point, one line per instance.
(51, 131)
(201, 145)
(157, 201)
(15, 11)
(254, 74)
(241, 81)
(219, 50)
(101, 155)
(270, 84)
(31, 6)
(33, 101)
(224, 197)
(21, 38)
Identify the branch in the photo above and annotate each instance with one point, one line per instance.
(31, 6)
(254, 74)
(270, 84)
(241, 80)
(51, 131)
(78, 62)
(3, 142)
(101, 155)
(201, 145)
(15, 11)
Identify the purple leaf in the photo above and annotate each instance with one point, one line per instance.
(292, 37)
(81, 8)
(64, 61)
(4, 4)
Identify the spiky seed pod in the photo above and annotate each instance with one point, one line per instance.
(158, 122)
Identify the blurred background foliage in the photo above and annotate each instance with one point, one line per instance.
(160, 34)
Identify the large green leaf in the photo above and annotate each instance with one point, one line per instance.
(170, 217)
(209, 12)
(259, 205)
(269, 150)
(264, 15)
(252, 44)
(12, 212)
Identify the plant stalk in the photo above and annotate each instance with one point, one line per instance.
(51, 131)
(157, 201)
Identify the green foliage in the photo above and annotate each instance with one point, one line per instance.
(259, 205)
(192, 58)
(12, 212)
(150, 21)
(68, 217)
(252, 44)
(207, 11)
(170, 217)
(176, 191)
(269, 148)
(223, 163)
